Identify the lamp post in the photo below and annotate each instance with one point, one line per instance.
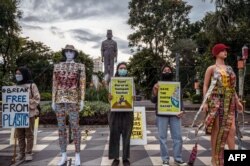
(242, 71)
(197, 84)
(244, 52)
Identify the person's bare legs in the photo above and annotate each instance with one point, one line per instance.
(214, 135)
(231, 136)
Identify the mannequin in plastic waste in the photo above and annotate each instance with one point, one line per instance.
(68, 93)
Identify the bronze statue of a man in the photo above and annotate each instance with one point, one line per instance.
(109, 54)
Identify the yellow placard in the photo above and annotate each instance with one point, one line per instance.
(137, 132)
(169, 102)
(122, 94)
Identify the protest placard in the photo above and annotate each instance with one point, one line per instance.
(169, 101)
(15, 107)
(122, 92)
(139, 132)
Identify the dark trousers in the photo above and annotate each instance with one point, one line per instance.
(120, 123)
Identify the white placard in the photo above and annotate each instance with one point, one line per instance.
(139, 132)
(15, 107)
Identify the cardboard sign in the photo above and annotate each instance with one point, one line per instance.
(122, 92)
(15, 107)
(139, 132)
(169, 101)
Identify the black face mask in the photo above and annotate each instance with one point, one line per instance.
(166, 76)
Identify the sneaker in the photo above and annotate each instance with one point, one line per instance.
(20, 157)
(28, 157)
(165, 163)
(180, 163)
(126, 162)
(115, 162)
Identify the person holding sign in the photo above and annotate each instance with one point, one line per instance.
(68, 97)
(220, 101)
(120, 123)
(173, 121)
(23, 78)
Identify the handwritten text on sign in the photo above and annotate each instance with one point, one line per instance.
(15, 107)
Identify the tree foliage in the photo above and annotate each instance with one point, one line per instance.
(36, 56)
(9, 31)
(145, 67)
(157, 24)
(188, 61)
(229, 24)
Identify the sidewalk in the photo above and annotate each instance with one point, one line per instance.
(94, 148)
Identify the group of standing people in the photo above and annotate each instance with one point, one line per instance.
(69, 81)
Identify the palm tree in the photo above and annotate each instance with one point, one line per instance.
(219, 3)
(227, 11)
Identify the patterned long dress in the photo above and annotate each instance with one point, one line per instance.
(221, 104)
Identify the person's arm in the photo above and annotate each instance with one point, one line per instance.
(82, 82)
(155, 93)
(35, 97)
(207, 79)
(237, 99)
(238, 103)
(182, 105)
(54, 86)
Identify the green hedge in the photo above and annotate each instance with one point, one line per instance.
(92, 94)
(46, 96)
(94, 107)
(94, 113)
(100, 94)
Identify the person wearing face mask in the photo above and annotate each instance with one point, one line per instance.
(68, 95)
(173, 121)
(120, 123)
(23, 78)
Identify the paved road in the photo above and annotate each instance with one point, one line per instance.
(94, 148)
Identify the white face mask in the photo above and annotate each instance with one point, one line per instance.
(70, 55)
(19, 77)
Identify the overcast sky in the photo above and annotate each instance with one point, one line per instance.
(84, 23)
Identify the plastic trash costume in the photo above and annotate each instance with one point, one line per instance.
(68, 98)
(222, 100)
